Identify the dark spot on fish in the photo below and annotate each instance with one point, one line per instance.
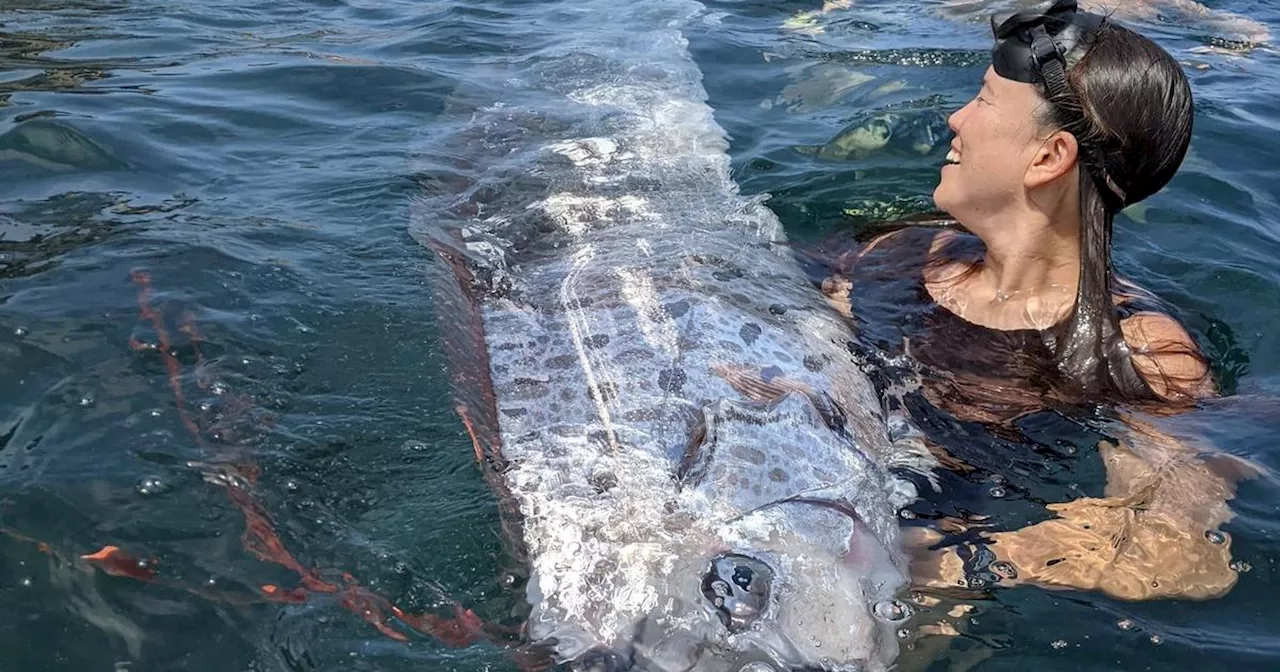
(778, 476)
(768, 373)
(596, 341)
(708, 259)
(603, 482)
(814, 363)
(729, 346)
(515, 412)
(750, 332)
(508, 346)
(530, 382)
(677, 308)
(1053, 562)
(672, 379)
(526, 438)
(778, 309)
(749, 454)
(561, 361)
(606, 391)
(727, 274)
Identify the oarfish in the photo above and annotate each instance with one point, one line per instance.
(693, 467)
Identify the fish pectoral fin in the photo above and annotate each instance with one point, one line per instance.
(771, 388)
(753, 384)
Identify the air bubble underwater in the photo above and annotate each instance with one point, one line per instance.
(892, 611)
(1005, 569)
(153, 486)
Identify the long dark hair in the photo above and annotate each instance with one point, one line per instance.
(1129, 106)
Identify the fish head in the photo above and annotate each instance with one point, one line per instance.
(794, 563)
(795, 604)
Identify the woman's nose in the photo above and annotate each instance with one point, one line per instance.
(953, 121)
(958, 117)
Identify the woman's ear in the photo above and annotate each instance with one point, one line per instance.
(1056, 156)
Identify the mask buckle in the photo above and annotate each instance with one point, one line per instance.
(1044, 49)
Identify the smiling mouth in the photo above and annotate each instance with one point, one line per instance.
(953, 158)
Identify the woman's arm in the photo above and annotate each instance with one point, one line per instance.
(840, 262)
(1154, 534)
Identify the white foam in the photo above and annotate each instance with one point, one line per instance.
(656, 326)
(576, 214)
(587, 151)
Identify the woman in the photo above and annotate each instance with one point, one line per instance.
(1076, 118)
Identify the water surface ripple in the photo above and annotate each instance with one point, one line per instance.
(244, 169)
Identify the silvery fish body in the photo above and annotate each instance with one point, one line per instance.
(695, 471)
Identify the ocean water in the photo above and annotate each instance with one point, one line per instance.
(220, 372)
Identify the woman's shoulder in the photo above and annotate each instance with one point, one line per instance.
(1165, 355)
(1160, 347)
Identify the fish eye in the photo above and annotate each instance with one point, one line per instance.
(737, 589)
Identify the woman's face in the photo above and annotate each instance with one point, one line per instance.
(996, 138)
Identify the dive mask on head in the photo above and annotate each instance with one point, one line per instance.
(1028, 43)
(1032, 47)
